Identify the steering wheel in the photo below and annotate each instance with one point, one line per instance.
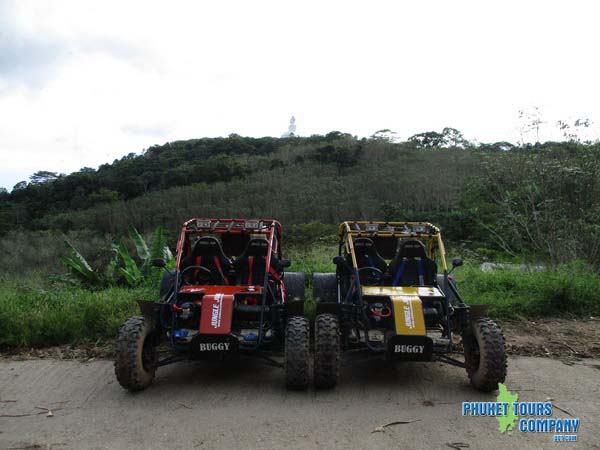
(373, 278)
(206, 276)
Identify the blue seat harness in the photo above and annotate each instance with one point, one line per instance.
(401, 271)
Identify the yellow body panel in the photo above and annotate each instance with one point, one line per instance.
(408, 315)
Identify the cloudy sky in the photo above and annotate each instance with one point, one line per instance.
(85, 82)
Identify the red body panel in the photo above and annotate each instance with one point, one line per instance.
(217, 311)
(218, 289)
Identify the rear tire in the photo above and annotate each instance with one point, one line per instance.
(297, 341)
(136, 361)
(485, 354)
(294, 285)
(325, 287)
(327, 351)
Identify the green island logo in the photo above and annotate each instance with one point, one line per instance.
(509, 420)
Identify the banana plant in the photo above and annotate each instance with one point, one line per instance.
(129, 270)
(81, 269)
(158, 248)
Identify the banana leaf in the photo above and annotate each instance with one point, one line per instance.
(159, 247)
(80, 267)
(140, 245)
(130, 272)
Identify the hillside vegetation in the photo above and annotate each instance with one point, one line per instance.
(496, 202)
(521, 202)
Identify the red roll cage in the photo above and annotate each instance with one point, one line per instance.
(270, 228)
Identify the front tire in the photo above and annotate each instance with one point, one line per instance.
(485, 354)
(327, 351)
(136, 361)
(297, 338)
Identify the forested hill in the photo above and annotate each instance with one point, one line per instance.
(514, 198)
(259, 169)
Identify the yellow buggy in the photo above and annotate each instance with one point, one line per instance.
(387, 298)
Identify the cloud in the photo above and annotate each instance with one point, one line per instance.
(23, 56)
(30, 57)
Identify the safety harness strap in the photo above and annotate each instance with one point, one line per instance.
(198, 264)
(250, 265)
(218, 264)
(399, 273)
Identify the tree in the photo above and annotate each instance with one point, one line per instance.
(385, 135)
(43, 176)
(449, 137)
(573, 130)
(530, 120)
(428, 139)
(20, 186)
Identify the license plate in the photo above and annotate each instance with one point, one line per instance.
(214, 346)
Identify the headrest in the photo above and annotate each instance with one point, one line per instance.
(207, 246)
(364, 245)
(257, 247)
(412, 249)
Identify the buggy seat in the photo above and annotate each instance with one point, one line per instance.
(367, 256)
(207, 253)
(251, 265)
(411, 266)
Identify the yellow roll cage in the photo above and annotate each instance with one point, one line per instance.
(426, 232)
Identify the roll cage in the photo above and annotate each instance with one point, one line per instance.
(388, 233)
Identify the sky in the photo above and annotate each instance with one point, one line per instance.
(85, 82)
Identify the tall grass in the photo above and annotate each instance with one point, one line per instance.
(570, 289)
(34, 317)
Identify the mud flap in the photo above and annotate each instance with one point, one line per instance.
(148, 308)
(216, 314)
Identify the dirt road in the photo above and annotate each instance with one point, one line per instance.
(244, 405)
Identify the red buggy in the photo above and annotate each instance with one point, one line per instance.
(228, 295)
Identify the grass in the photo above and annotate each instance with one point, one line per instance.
(34, 315)
(568, 290)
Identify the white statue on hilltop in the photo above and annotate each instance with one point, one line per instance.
(291, 131)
